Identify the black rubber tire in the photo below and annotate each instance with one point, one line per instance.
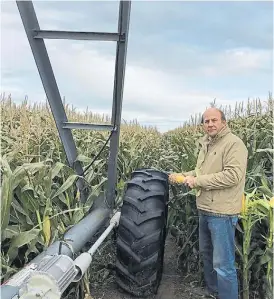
(141, 233)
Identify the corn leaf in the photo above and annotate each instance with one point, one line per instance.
(22, 239)
(46, 229)
(67, 184)
(6, 195)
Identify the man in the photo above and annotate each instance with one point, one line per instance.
(219, 178)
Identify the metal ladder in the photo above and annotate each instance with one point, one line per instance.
(36, 38)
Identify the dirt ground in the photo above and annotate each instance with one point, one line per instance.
(173, 286)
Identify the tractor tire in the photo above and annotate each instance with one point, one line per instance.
(141, 233)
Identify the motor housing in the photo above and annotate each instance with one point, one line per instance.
(47, 280)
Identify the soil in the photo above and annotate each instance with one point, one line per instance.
(173, 284)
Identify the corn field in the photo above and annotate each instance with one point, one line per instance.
(39, 199)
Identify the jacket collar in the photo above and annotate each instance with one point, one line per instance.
(206, 139)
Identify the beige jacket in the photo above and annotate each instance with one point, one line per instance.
(220, 173)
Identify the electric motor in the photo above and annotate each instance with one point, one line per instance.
(47, 280)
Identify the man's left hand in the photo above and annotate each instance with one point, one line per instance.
(190, 181)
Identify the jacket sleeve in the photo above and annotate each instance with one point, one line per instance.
(235, 162)
(189, 173)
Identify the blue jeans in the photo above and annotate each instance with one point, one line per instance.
(217, 248)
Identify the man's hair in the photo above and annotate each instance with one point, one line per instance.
(221, 112)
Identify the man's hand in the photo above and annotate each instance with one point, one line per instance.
(190, 181)
(176, 178)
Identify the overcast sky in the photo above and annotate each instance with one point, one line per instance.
(181, 55)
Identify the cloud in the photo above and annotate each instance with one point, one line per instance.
(238, 61)
(179, 57)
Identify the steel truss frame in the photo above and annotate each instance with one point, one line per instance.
(36, 38)
(82, 232)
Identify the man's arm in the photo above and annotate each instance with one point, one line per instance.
(235, 162)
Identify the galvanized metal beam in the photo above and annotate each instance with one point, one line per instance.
(87, 126)
(36, 40)
(120, 64)
(75, 238)
(76, 35)
(9, 292)
(82, 232)
(78, 235)
(42, 61)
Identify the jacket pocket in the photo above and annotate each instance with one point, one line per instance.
(208, 196)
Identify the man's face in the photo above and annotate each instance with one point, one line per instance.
(212, 122)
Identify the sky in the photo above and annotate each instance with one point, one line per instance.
(181, 56)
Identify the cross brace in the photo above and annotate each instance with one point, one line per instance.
(99, 36)
(36, 38)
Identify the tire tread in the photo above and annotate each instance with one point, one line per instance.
(141, 233)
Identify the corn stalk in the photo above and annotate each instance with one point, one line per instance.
(32, 203)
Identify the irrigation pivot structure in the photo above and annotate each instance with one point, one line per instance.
(141, 220)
